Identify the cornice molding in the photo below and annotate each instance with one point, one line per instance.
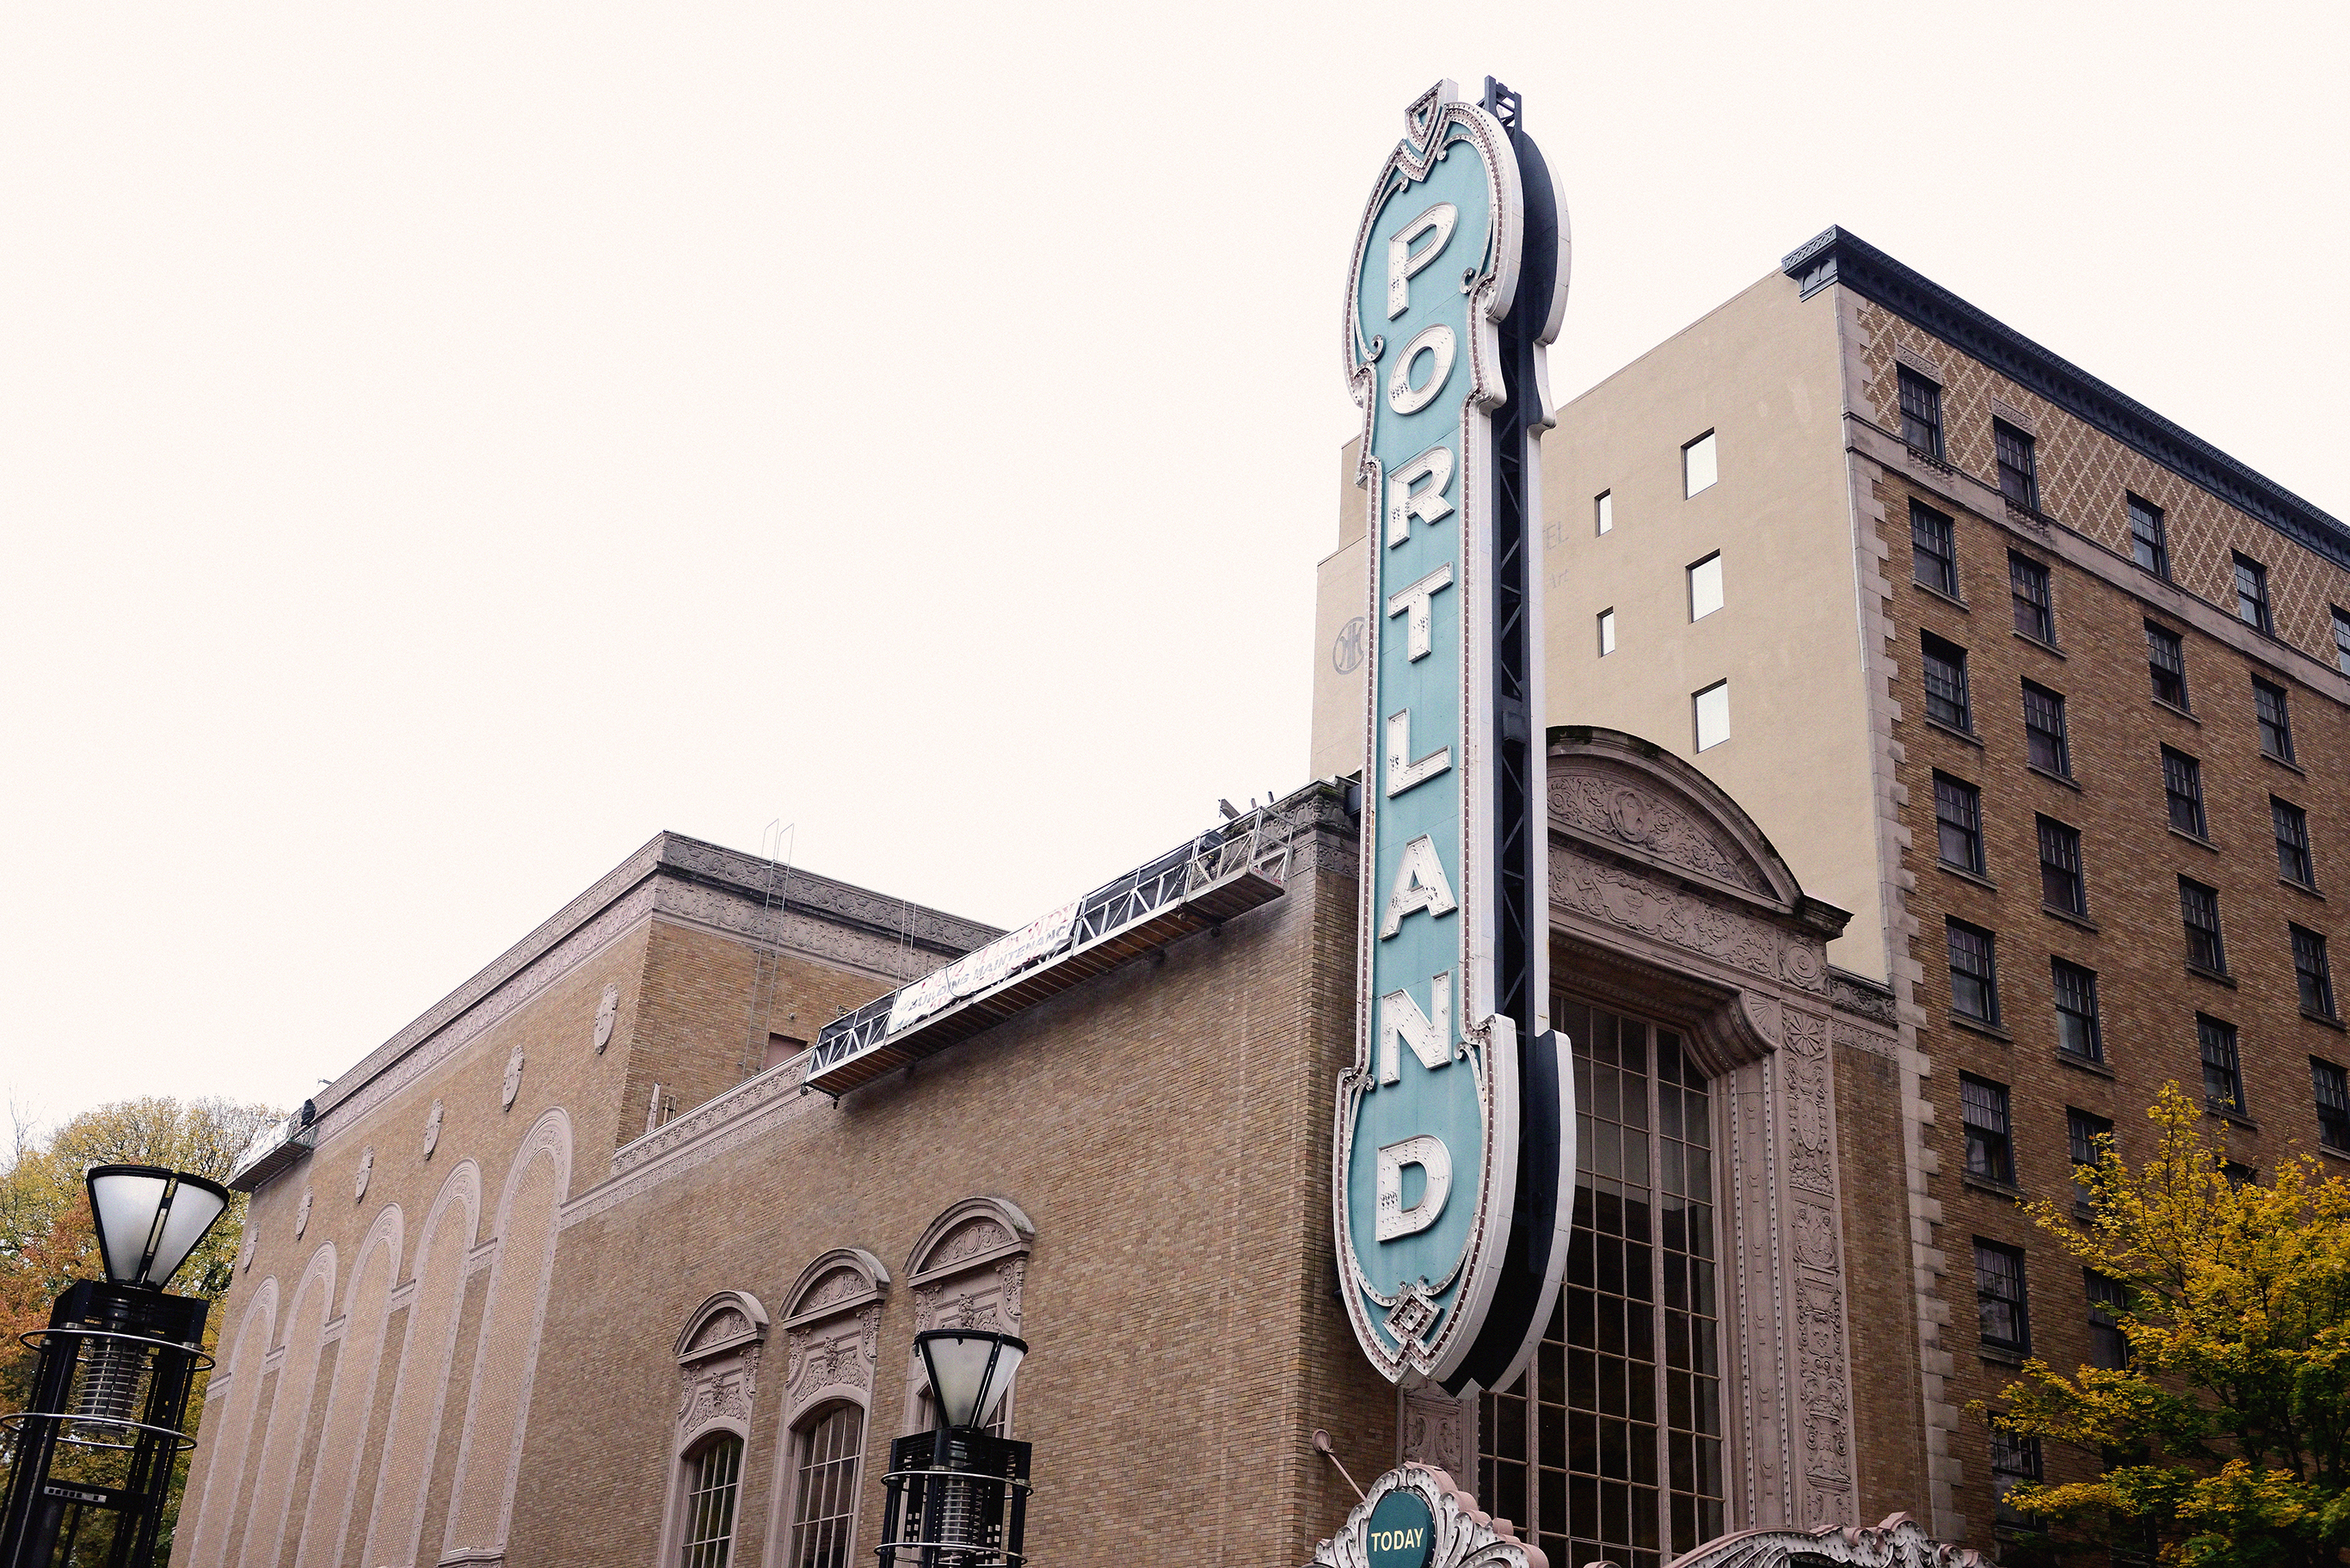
(1839, 257)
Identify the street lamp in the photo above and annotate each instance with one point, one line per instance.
(960, 1491)
(111, 1386)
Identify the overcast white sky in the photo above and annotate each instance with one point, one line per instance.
(442, 445)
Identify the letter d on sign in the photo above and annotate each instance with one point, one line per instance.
(1427, 1151)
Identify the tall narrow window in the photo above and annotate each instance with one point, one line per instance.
(1974, 977)
(2182, 792)
(824, 1501)
(1698, 470)
(1610, 1445)
(2331, 1084)
(2274, 719)
(2148, 547)
(1712, 709)
(2077, 1010)
(1933, 553)
(2199, 907)
(2252, 595)
(1705, 586)
(2027, 582)
(1945, 667)
(2223, 1074)
(2310, 973)
(2294, 861)
(2045, 745)
(1957, 823)
(2083, 1133)
(2342, 638)
(2109, 1305)
(1990, 1147)
(1921, 413)
(2006, 1320)
(1603, 507)
(2060, 887)
(1607, 632)
(2165, 659)
(2015, 1462)
(2019, 467)
(715, 1477)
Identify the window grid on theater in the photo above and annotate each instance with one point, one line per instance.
(2292, 824)
(2224, 1072)
(2027, 582)
(2312, 975)
(2182, 792)
(2329, 1085)
(1945, 670)
(717, 1474)
(1974, 980)
(1933, 553)
(2275, 719)
(1990, 1145)
(2046, 745)
(2165, 659)
(1957, 823)
(2003, 1315)
(2149, 547)
(2061, 885)
(1921, 413)
(2077, 1010)
(2198, 910)
(823, 1516)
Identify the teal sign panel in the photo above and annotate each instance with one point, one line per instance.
(1402, 1532)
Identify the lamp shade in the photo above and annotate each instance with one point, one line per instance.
(970, 1370)
(150, 1219)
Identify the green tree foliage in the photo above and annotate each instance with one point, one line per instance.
(2225, 1439)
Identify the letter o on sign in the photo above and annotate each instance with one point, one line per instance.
(1407, 397)
(1401, 1533)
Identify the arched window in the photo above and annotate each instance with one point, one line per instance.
(824, 1490)
(713, 1480)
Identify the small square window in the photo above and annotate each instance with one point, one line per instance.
(1957, 823)
(2077, 1010)
(1933, 551)
(2166, 658)
(2342, 638)
(2045, 745)
(2182, 792)
(2311, 972)
(1713, 706)
(2199, 907)
(1602, 506)
(2027, 582)
(2149, 547)
(2087, 1138)
(2060, 887)
(2223, 1074)
(1991, 1146)
(1921, 413)
(2331, 1084)
(1705, 586)
(1607, 632)
(2275, 719)
(1999, 1294)
(2019, 467)
(2109, 1305)
(1974, 978)
(2252, 595)
(2292, 823)
(1698, 470)
(1945, 668)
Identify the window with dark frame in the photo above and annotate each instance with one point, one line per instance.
(2019, 467)
(2294, 861)
(2006, 1319)
(2060, 887)
(2312, 975)
(2252, 595)
(2015, 1462)
(2331, 1087)
(1921, 413)
(2274, 719)
(2077, 1010)
(2342, 638)
(2165, 659)
(1990, 1145)
(1974, 972)
(2045, 746)
(2109, 1305)
(2199, 907)
(1957, 823)
(2223, 1073)
(2182, 792)
(2238, 1173)
(2027, 583)
(827, 1447)
(2148, 547)
(2082, 1132)
(1933, 551)
(1946, 682)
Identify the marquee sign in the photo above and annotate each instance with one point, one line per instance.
(1415, 1517)
(1454, 1126)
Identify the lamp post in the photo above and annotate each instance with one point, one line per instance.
(111, 1386)
(957, 1496)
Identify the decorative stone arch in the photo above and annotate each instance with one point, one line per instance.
(967, 1270)
(832, 1346)
(350, 1393)
(432, 1297)
(296, 1362)
(231, 1404)
(717, 1353)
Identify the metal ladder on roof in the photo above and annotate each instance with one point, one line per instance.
(776, 844)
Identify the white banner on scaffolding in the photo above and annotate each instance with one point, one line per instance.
(977, 971)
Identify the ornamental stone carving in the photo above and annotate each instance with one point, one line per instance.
(969, 1269)
(832, 1331)
(1611, 807)
(302, 1216)
(367, 1169)
(512, 1085)
(607, 1011)
(718, 1365)
(1683, 920)
(433, 1130)
(1438, 1432)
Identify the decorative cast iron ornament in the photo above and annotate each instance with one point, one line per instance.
(1454, 1136)
(1416, 1517)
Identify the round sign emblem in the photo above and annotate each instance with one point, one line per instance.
(1402, 1532)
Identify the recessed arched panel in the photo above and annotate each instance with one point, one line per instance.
(435, 1291)
(350, 1398)
(225, 1438)
(289, 1412)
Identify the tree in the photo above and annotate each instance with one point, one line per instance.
(2226, 1438)
(47, 1239)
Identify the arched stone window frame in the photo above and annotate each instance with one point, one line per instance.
(717, 1353)
(969, 1269)
(832, 1345)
